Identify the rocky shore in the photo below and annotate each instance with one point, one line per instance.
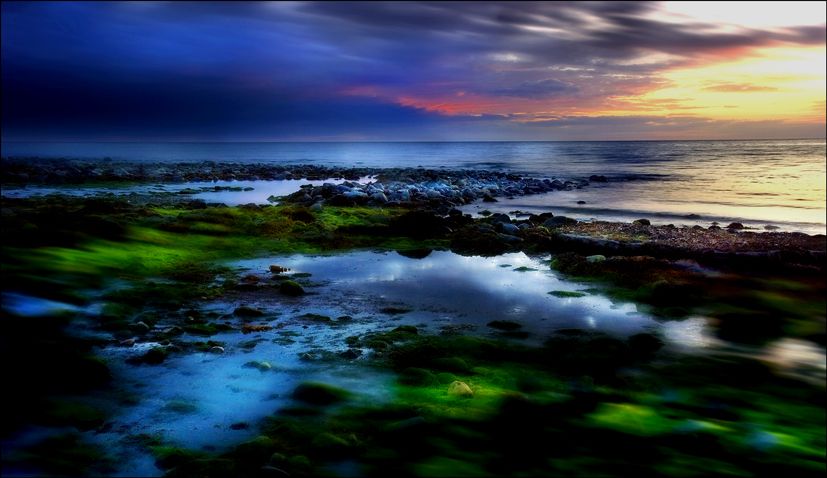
(188, 287)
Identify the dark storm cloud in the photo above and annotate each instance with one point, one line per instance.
(249, 69)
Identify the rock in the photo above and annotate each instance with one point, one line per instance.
(379, 197)
(581, 202)
(317, 206)
(642, 222)
(174, 330)
(153, 356)
(488, 198)
(598, 178)
(140, 328)
(509, 228)
(259, 365)
(558, 221)
(735, 226)
(460, 390)
(127, 342)
(504, 325)
(509, 239)
(417, 376)
(319, 394)
(246, 311)
(351, 354)
(596, 258)
(291, 288)
(216, 349)
(769, 227)
(276, 269)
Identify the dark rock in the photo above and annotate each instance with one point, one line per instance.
(246, 311)
(504, 325)
(153, 356)
(598, 178)
(642, 222)
(558, 221)
(735, 226)
(291, 288)
(488, 198)
(319, 394)
(415, 253)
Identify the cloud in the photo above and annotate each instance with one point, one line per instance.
(227, 68)
(545, 88)
(738, 88)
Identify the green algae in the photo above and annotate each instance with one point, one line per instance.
(581, 404)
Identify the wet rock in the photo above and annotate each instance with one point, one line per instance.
(415, 253)
(488, 198)
(261, 366)
(351, 354)
(504, 325)
(291, 288)
(735, 226)
(558, 221)
(252, 328)
(277, 269)
(595, 258)
(319, 394)
(509, 229)
(598, 178)
(642, 222)
(216, 349)
(247, 311)
(315, 318)
(127, 342)
(581, 202)
(140, 327)
(460, 390)
(174, 330)
(153, 356)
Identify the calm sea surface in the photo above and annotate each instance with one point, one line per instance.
(775, 182)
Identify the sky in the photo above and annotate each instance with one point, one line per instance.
(412, 71)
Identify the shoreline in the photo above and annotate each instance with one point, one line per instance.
(178, 305)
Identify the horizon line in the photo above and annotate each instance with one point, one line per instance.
(823, 138)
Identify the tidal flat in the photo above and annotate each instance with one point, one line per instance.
(367, 326)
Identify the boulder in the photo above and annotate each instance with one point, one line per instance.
(291, 288)
(460, 390)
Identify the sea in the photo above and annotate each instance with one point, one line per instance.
(764, 184)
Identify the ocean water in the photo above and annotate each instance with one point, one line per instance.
(780, 183)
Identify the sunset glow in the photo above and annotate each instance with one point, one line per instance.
(447, 71)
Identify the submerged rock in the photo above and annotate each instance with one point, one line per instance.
(247, 311)
(259, 365)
